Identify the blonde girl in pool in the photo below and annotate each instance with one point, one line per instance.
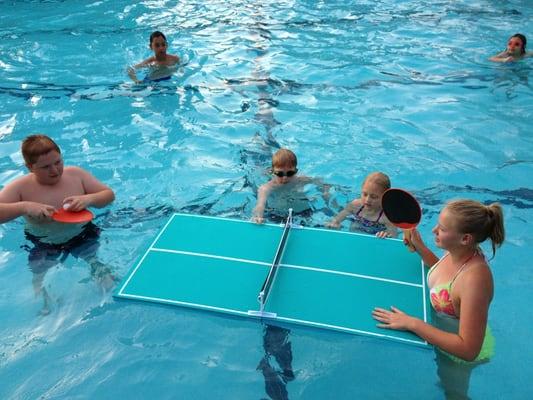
(461, 289)
(366, 212)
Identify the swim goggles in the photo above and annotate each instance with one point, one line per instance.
(281, 174)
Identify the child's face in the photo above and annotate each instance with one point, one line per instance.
(514, 46)
(446, 234)
(48, 168)
(284, 173)
(371, 194)
(159, 46)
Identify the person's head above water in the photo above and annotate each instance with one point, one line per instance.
(374, 185)
(157, 34)
(517, 44)
(158, 43)
(284, 164)
(476, 220)
(35, 146)
(379, 178)
(43, 158)
(284, 158)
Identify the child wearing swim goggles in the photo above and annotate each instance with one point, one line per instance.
(516, 50)
(285, 189)
(366, 212)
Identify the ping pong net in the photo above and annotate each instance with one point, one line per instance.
(262, 297)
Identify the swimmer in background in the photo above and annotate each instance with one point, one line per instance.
(161, 64)
(36, 196)
(516, 50)
(366, 213)
(286, 189)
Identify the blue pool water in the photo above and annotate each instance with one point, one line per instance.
(352, 87)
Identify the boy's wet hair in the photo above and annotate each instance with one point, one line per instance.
(35, 146)
(523, 39)
(284, 157)
(378, 178)
(157, 34)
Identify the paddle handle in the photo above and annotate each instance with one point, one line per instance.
(407, 240)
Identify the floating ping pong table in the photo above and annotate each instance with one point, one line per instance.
(323, 278)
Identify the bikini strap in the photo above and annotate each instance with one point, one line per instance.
(379, 216)
(360, 209)
(462, 268)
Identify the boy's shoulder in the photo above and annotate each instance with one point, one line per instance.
(304, 179)
(24, 180)
(13, 191)
(173, 58)
(72, 169)
(73, 172)
(266, 186)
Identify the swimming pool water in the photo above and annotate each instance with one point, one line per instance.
(352, 87)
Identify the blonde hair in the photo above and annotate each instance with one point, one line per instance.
(379, 178)
(284, 157)
(35, 146)
(481, 221)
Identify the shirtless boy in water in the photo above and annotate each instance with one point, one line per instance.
(285, 190)
(48, 187)
(160, 61)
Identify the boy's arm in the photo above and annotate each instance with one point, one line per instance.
(131, 70)
(336, 222)
(262, 195)
(12, 207)
(96, 193)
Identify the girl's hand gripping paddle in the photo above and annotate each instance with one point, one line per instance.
(403, 211)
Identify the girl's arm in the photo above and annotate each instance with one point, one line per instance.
(426, 254)
(465, 344)
(501, 57)
(336, 222)
(391, 230)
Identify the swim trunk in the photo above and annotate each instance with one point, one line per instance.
(147, 79)
(300, 217)
(43, 256)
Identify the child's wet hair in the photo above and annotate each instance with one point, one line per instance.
(35, 146)
(524, 41)
(378, 178)
(481, 221)
(157, 34)
(284, 157)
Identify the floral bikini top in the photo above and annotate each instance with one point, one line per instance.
(367, 225)
(441, 295)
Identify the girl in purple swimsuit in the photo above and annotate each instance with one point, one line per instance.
(366, 212)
